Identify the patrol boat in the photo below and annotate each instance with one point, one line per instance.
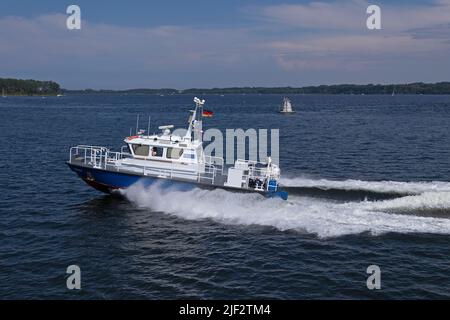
(174, 159)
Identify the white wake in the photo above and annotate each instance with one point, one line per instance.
(323, 218)
(407, 188)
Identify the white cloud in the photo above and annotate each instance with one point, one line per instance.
(336, 40)
(44, 44)
(351, 15)
(317, 15)
(341, 40)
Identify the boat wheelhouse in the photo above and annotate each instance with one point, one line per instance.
(175, 158)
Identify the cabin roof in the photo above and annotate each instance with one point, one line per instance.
(163, 141)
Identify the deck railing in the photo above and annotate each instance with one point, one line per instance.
(257, 171)
(215, 162)
(98, 157)
(101, 157)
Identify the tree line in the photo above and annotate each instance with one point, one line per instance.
(410, 88)
(35, 87)
(28, 87)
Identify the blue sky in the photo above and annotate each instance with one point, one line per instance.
(199, 43)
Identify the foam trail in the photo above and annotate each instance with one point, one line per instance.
(323, 218)
(396, 187)
(425, 201)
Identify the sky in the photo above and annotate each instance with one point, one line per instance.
(223, 43)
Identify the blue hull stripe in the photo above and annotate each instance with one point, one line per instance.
(106, 181)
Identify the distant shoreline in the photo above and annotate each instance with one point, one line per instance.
(17, 87)
(30, 95)
(439, 88)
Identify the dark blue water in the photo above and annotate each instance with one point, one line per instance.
(369, 178)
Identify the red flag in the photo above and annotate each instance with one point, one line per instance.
(207, 113)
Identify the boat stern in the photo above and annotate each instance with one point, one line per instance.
(277, 194)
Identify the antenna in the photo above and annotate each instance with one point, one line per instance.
(148, 127)
(137, 123)
(195, 121)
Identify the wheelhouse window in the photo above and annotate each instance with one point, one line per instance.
(140, 150)
(174, 153)
(128, 148)
(157, 151)
(189, 154)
